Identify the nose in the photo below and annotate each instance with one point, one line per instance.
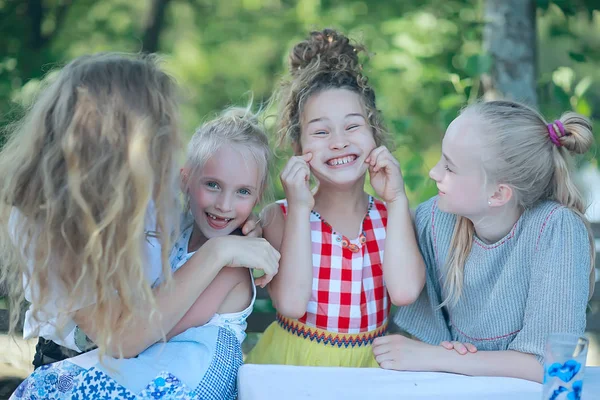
(338, 140)
(224, 202)
(435, 173)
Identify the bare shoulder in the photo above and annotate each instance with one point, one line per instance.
(273, 224)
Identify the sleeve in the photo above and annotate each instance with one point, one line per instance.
(559, 283)
(424, 318)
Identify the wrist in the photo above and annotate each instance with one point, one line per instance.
(299, 209)
(213, 253)
(442, 359)
(398, 202)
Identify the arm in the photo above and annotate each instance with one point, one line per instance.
(211, 299)
(221, 289)
(509, 363)
(556, 302)
(188, 283)
(559, 281)
(404, 354)
(291, 288)
(403, 265)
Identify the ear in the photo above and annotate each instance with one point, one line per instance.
(501, 196)
(184, 174)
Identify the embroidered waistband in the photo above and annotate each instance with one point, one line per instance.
(330, 338)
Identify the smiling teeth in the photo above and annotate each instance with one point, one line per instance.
(341, 160)
(216, 218)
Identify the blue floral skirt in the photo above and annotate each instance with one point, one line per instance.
(201, 363)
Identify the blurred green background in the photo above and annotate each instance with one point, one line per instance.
(429, 57)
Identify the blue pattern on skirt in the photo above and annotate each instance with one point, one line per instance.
(65, 380)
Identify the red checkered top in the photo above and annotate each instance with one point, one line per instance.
(348, 292)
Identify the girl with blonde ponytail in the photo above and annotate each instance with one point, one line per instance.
(509, 252)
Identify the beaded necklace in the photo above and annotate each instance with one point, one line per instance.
(362, 238)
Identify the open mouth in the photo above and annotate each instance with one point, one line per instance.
(216, 221)
(340, 161)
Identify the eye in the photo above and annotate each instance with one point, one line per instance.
(212, 185)
(447, 168)
(320, 133)
(352, 127)
(244, 192)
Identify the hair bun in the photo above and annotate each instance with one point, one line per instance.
(578, 138)
(328, 47)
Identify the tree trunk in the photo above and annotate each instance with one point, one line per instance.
(36, 14)
(510, 38)
(154, 26)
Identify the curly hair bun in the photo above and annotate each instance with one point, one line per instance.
(330, 49)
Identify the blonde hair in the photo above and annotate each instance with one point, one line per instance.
(523, 156)
(82, 168)
(238, 127)
(326, 60)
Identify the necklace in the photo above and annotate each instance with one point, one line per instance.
(362, 238)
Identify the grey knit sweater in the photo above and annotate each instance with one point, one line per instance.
(532, 282)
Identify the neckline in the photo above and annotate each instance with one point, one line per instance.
(343, 238)
(500, 241)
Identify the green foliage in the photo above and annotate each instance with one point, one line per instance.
(427, 56)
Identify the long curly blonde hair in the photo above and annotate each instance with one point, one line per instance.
(95, 152)
(326, 60)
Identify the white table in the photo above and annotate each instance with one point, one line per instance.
(267, 382)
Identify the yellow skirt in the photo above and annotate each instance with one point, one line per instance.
(290, 342)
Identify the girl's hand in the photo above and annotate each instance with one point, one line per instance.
(461, 348)
(247, 252)
(401, 353)
(386, 177)
(295, 180)
(252, 227)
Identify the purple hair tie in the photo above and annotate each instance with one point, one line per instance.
(552, 132)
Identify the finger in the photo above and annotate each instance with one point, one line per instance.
(372, 154)
(249, 225)
(291, 164)
(270, 266)
(306, 157)
(273, 257)
(388, 356)
(382, 349)
(375, 154)
(390, 364)
(386, 340)
(263, 280)
(301, 173)
(382, 163)
(276, 255)
(287, 167)
(471, 347)
(293, 178)
(447, 345)
(385, 159)
(460, 348)
(385, 154)
(254, 232)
